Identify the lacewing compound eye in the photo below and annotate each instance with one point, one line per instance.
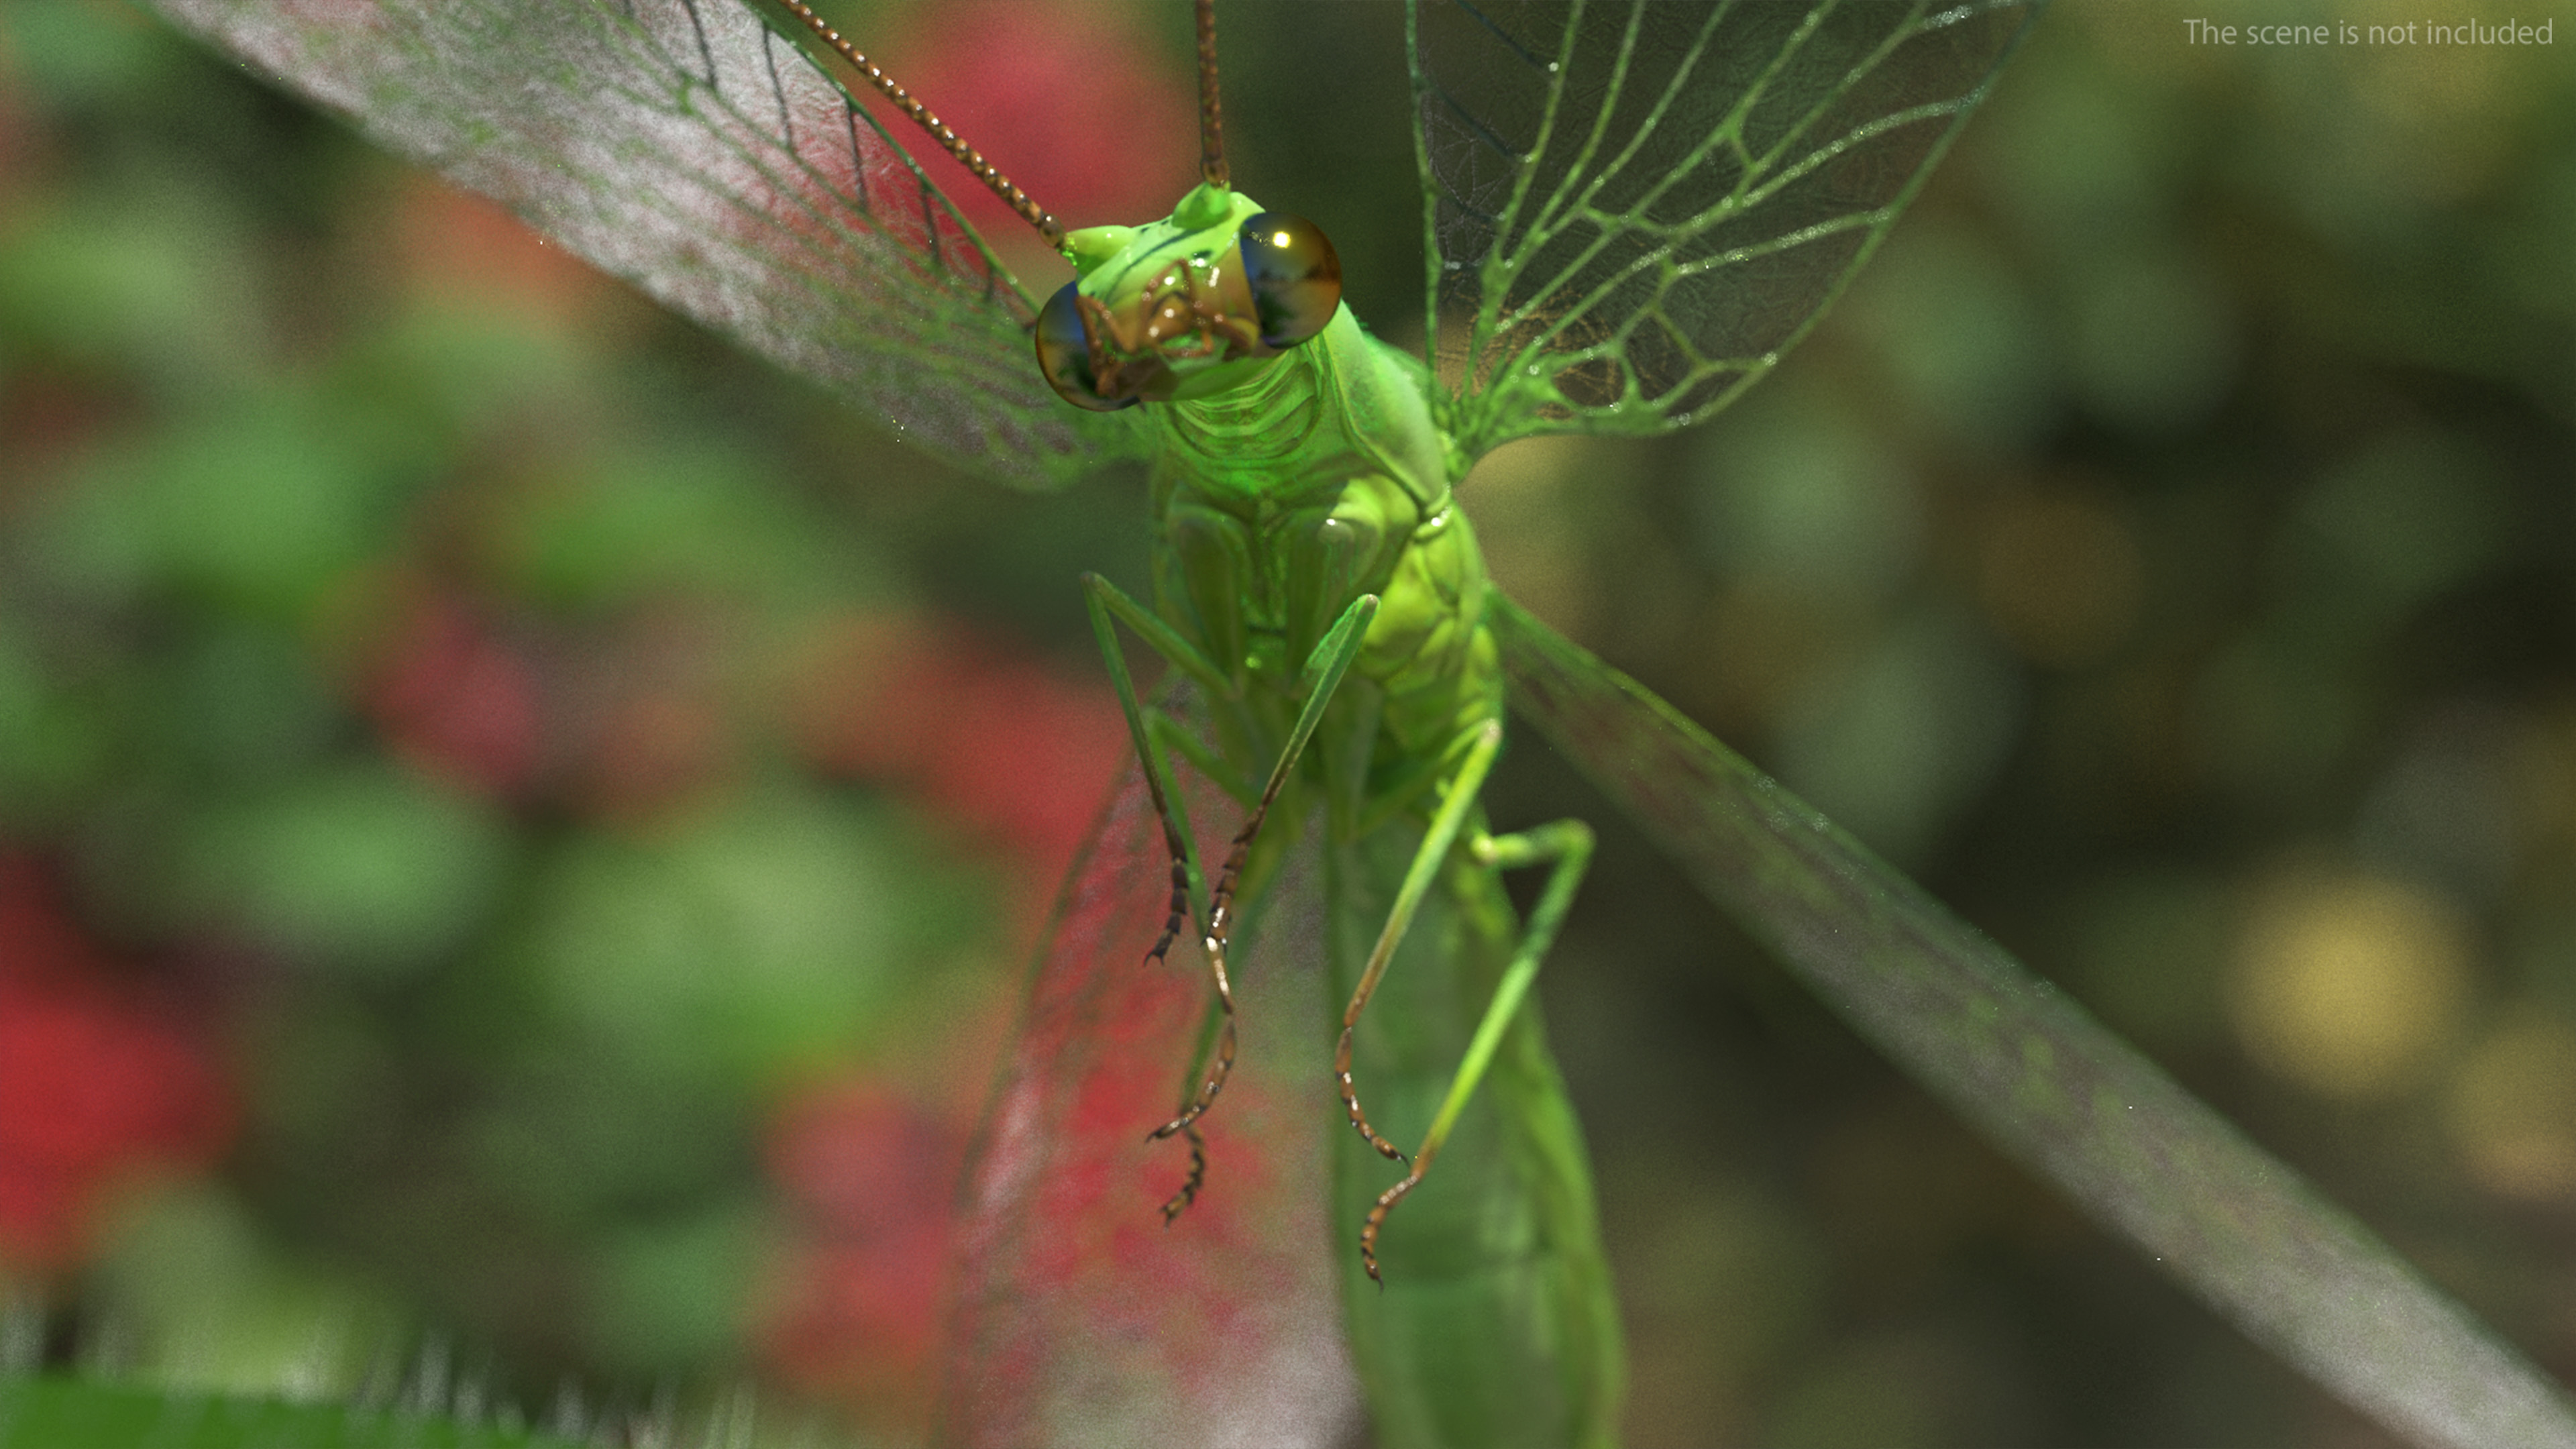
(1295, 278)
(1176, 322)
(1064, 353)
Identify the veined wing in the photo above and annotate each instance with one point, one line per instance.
(2030, 1069)
(1633, 207)
(682, 145)
(1078, 1318)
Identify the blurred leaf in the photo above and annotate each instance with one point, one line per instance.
(577, 1139)
(207, 1305)
(1958, 330)
(82, 53)
(751, 942)
(1792, 488)
(2405, 517)
(2154, 345)
(51, 744)
(1906, 733)
(675, 1295)
(368, 868)
(247, 702)
(155, 274)
(257, 507)
(685, 518)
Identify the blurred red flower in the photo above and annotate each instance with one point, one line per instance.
(870, 1177)
(455, 247)
(455, 701)
(989, 739)
(98, 1080)
(1093, 119)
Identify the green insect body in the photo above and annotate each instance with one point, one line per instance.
(1496, 1324)
(1312, 489)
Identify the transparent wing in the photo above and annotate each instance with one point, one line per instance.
(1078, 1318)
(1633, 207)
(2040, 1078)
(683, 146)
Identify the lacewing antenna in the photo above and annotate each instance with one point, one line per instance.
(1211, 126)
(955, 145)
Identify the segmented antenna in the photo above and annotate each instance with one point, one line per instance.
(955, 145)
(1211, 127)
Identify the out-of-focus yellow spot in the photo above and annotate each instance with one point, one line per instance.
(2409, 71)
(2059, 574)
(2542, 768)
(2512, 1110)
(2349, 985)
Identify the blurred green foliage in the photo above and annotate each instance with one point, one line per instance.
(409, 660)
(401, 642)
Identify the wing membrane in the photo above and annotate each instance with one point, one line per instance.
(1079, 1319)
(2032, 1071)
(682, 145)
(1634, 206)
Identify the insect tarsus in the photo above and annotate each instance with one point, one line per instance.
(1220, 933)
(1386, 1202)
(1351, 1102)
(1189, 1193)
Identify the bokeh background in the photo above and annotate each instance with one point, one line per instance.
(520, 827)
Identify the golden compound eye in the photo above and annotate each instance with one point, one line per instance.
(1064, 353)
(1295, 278)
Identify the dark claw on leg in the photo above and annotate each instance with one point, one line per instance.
(1179, 1201)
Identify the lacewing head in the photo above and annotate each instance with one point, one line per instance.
(1194, 304)
(1188, 306)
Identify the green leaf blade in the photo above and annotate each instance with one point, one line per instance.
(53, 1413)
(2037, 1075)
